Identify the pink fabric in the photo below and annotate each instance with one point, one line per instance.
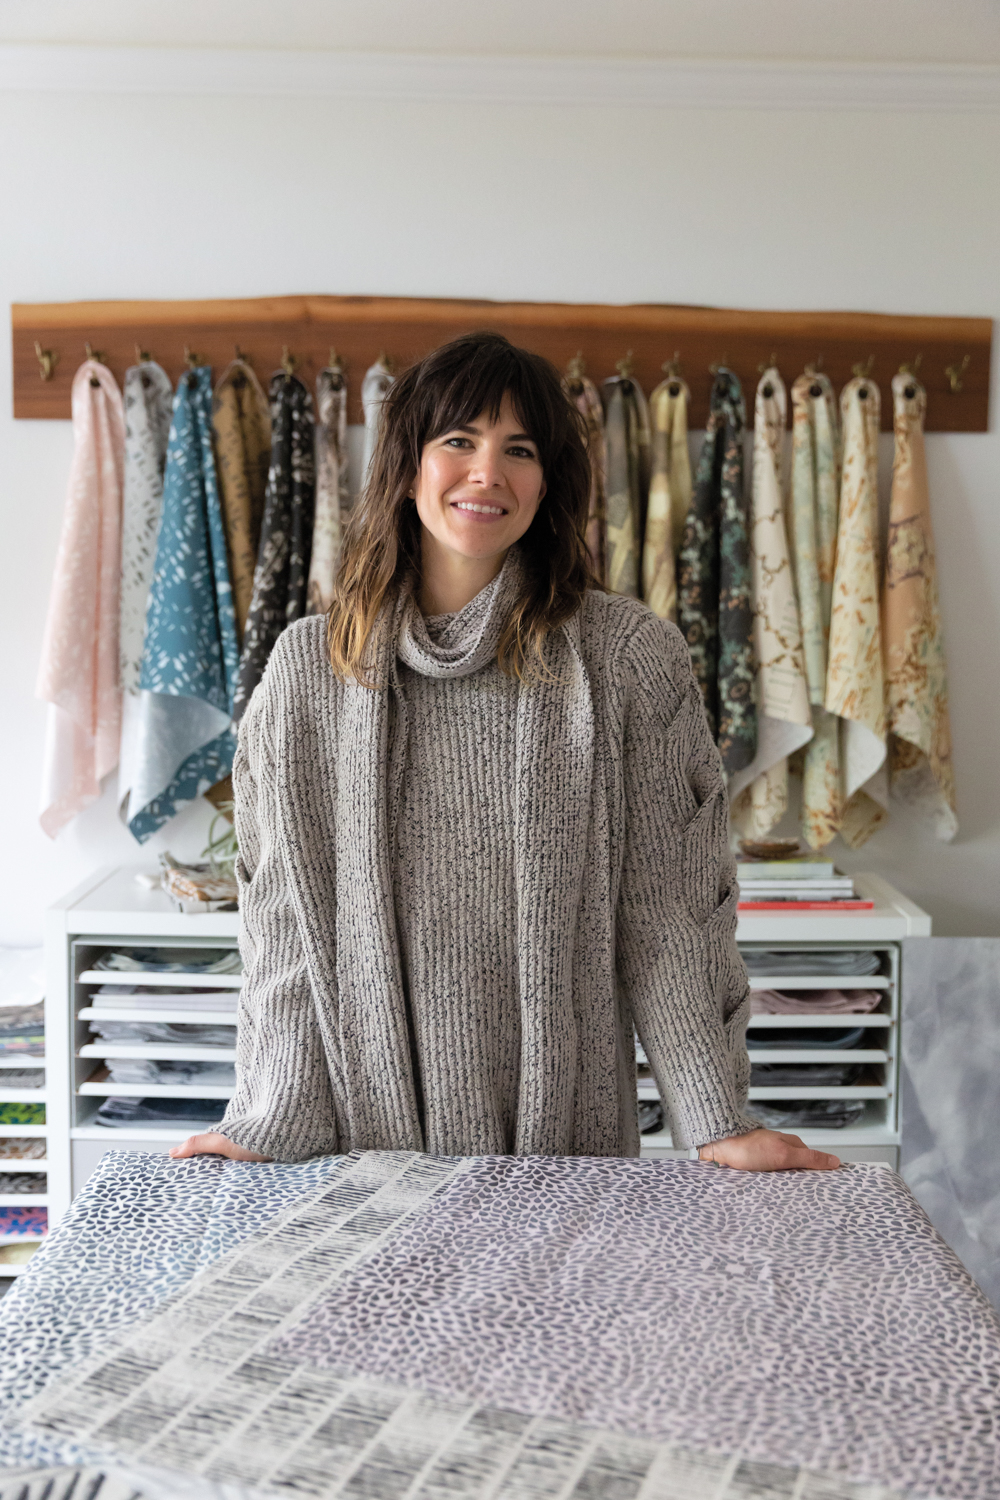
(813, 1002)
(78, 675)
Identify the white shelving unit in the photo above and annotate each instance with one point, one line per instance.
(111, 911)
(38, 1166)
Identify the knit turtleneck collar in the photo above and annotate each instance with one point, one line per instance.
(459, 644)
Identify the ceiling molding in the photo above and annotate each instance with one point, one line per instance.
(656, 83)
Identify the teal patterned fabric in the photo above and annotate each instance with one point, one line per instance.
(713, 584)
(191, 652)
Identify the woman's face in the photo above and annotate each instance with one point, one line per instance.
(478, 487)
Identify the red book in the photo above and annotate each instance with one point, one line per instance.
(787, 906)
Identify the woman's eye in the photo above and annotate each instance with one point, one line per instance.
(522, 452)
(457, 442)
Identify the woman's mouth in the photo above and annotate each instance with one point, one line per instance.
(477, 510)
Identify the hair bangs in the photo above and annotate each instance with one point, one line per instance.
(478, 387)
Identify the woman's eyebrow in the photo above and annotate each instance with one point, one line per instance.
(511, 437)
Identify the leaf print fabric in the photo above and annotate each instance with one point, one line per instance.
(191, 652)
(784, 722)
(378, 379)
(854, 686)
(241, 425)
(279, 585)
(78, 674)
(713, 606)
(626, 448)
(669, 496)
(332, 494)
(920, 765)
(586, 398)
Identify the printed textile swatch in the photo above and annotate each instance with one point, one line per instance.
(669, 496)
(921, 774)
(813, 512)
(279, 583)
(186, 744)
(713, 581)
(784, 721)
(586, 398)
(241, 426)
(332, 493)
(854, 686)
(626, 449)
(378, 379)
(78, 674)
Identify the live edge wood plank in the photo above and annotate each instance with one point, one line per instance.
(407, 327)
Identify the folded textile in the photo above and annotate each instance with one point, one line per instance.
(804, 1075)
(17, 1255)
(128, 1111)
(24, 1221)
(172, 960)
(650, 1116)
(853, 962)
(807, 1114)
(18, 1019)
(164, 1031)
(22, 1114)
(30, 1045)
(813, 1002)
(22, 1078)
(122, 997)
(21, 1148)
(22, 1182)
(152, 1070)
(836, 1038)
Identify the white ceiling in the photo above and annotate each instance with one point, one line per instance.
(915, 31)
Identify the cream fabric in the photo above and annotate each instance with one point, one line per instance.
(626, 445)
(669, 496)
(331, 488)
(378, 379)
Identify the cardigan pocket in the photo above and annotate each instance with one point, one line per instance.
(706, 856)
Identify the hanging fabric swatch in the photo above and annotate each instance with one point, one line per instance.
(191, 651)
(378, 379)
(669, 496)
(586, 398)
(626, 449)
(713, 580)
(813, 512)
(241, 425)
(148, 405)
(78, 674)
(854, 686)
(920, 766)
(784, 722)
(332, 495)
(279, 585)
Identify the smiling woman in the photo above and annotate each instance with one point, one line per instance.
(482, 823)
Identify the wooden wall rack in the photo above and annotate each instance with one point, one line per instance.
(955, 352)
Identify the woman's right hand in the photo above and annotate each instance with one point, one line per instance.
(213, 1144)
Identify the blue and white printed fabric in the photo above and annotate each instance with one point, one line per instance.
(186, 741)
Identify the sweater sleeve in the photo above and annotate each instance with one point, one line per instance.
(283, 1105)
(677, 959)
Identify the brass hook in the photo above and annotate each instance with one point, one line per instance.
(238, 353)
(911, 369)
(771, 365)
(336, 364)
(383, 359)
(863, 371)
(576, 369)
(190, 358)
(626, 366)
(672, 367)
(720, 364)
(142, 356)
(288, 362)
(47, 361)
(97, 354)
(813, 369)
(954, 375)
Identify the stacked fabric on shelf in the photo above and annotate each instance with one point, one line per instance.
(125, 1033)
(846, 962)
(807, 1114)
(22, 1182)
(804, 1075)
(118, 997)
(140, 1070)
(21, 1148)
(813, 1002)
(22, 1114)
(23, 1223)
(22, 1030)
(171, 960)
(22, 1078)
(833, 1038)
(122, 1112)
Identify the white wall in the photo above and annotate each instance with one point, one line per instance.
(132, 197)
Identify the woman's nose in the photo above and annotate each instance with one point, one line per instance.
(486, 468)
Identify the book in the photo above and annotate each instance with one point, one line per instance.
(789, 906)
(809, 868)
(799, 890)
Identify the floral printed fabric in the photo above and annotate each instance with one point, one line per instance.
(241, 425)
(714, 610)
(920, 766)
(784, 722)
(669, 496)
(78, 675)
(626, 447)
(854, 687)
(191, 652)
(813, 512)
(332, 495)
(279, 585)
(378, 379)
(586, 398)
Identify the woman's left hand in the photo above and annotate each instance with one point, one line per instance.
(767, 1151)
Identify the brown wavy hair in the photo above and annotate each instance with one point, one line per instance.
(450, 388)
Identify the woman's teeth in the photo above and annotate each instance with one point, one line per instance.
(487, 510)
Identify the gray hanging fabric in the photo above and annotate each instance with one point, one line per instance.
(332, 495)
(378, 379)
(626, 443)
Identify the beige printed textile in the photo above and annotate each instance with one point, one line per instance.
(587, 399)
(854, 682)
(241, 432)
(332, 494)
(784, 721)
(669, 495)
(920, 765)
(626, 446)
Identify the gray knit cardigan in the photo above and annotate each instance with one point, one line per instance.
(626, 908)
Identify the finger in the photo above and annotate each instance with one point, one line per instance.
(808, 1160)
(195, 1145)
(793, 1140)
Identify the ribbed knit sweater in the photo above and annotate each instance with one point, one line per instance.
(458, 893)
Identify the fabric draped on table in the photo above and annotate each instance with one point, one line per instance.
(854, 684)
(332, 495)
(148, 406)
(78, 673)
(626, 450)
(241, 424)
(784, 723)
(378, 379)
(279, 585)
(191, 651)
(921, 774)
(813, 511)
(669, 496)
(713, 593)
(587, 399)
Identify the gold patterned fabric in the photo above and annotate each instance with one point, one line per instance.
(626, 446)
(920, 765)
(587, 399)
(854, 682)
(241, 428)
(669, 496)
(332, 495)
(784, 722)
